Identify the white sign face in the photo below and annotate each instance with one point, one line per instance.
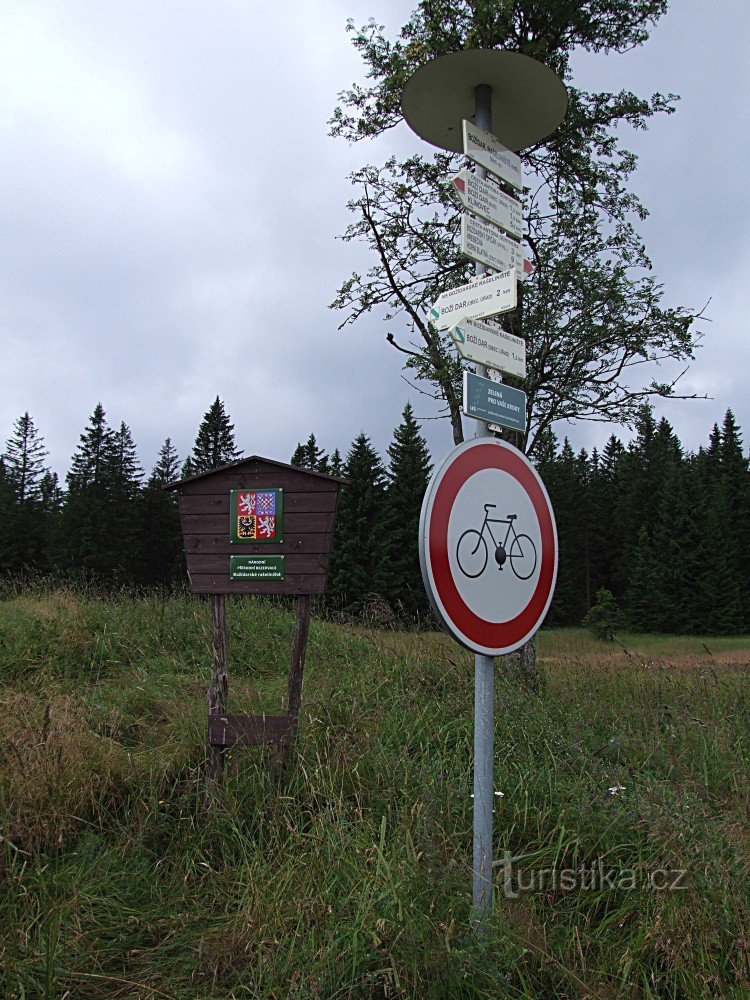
(487, 245)
(477, 300)
(489, 152)
(488, 344)
(488, 546)
(487, 199)
(495, 594)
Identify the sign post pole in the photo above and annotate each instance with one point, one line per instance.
(436, 104)
(484, 666)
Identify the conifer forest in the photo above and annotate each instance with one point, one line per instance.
(662, 530)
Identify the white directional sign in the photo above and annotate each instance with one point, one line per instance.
(484, 149)
(487, 199)
(487, 245)
(488, 344)
(477, 300)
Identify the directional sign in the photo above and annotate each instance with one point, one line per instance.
(494, 402)
(487, 199)
(488, 245)
(484, 149)
(488, 546)
(477, 300)
(488, 344)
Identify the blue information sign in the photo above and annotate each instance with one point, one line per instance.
(494, 402)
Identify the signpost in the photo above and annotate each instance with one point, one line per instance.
(485, 486)
(488, 344)
(494, 402)
(483, 148)
(486, 297)
(488, 200)
(486, 244)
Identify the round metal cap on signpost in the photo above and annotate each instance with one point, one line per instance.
(529, 101)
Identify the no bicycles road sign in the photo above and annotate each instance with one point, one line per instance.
(488, 546)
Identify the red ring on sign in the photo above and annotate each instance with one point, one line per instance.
(491, 635)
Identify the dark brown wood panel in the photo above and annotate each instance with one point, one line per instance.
(247, 479)
(219, 583)
(220, 545)
(247, 730)
(292, 563)
(218, 503)
(294, 524)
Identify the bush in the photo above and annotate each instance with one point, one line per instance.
(604, 617)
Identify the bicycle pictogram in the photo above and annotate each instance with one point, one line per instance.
(472, 551)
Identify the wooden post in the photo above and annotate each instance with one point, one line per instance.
(218, 689)
(299, 647)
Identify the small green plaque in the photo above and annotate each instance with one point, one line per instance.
(256, 567)
(256, 515)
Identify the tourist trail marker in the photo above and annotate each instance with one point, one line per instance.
(494, 402)
(488, 200)
(483, 148)
(486, 244)
(477, 300)
(488, 344)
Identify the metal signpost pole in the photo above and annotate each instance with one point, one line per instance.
(437, 102)
(484, 666)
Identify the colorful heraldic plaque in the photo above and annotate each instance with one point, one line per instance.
(256, 516)
(256, 567)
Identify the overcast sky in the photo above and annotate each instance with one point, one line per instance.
(170, 198)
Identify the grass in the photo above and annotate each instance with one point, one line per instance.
(349, 875)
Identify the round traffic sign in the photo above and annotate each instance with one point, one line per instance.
(488, 546)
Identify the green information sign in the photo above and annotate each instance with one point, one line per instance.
(256, 567)
(256, 516)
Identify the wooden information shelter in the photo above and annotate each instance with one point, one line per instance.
(256, 526)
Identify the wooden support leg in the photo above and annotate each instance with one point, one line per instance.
(299, 648)
(217, 691)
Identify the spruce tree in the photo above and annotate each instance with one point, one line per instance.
(310, 456)
(10, 554)
(563, 481)
(335, 464)
(214, 443)
(408, 477)
(734, 473)
(357, 567)
(24, 468)
(100, 524)
(123, 490)
(24, 460)
(162, 551)
(640, 609)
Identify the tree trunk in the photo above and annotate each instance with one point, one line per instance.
(523, 668)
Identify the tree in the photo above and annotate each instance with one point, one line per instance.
(10, 554)
(310, 456)
(214, 443)
(408, 477)
(336, 465)
(24, 460)
(357, 570)
(592, 313)
(27, 519)
(162, 551)
(99, 529)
